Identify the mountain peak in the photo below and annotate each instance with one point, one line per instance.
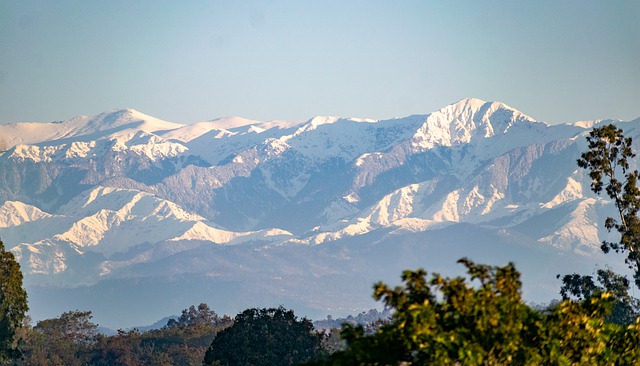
(465, 120)
(468, 103)
(14, 213)
(472, 106)
(122, 121)
(119, 116)
(322, 120)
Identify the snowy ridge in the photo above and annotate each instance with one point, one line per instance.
(465, 120)
(195, 130)
(275, 208)
(26, 133)
(579, 230)
(149, 145)
(110, 220)
(14, 213)
(141, 143)
(42, 258)
(120, 121)
(203, 232)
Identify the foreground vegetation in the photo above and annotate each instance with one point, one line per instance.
(480, 319)
(483, 320)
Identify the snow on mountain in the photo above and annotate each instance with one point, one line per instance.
(35, 153)
(228, 123)
(118, 122)
(41, 258)
(140, 143)
(222, 127)
(26, 133)
(22, 223)
(572, 191)
(110, 219)
(106, 124)
(124, 195)
(14, 213)
(331, 137)
(578, 230)
(392, 209)
(195, 130)
(203, 232)
(466, 120)
(504, 191)
(149, 145)
(218, 146)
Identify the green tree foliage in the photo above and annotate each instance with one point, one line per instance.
(65, 340)
(13, 305)
(123, 349)
(180, 342)
(72, 326)
(269, 337)
(71, 339)
(186, 340)
(625, 307)
(483, 321)
(608, 158)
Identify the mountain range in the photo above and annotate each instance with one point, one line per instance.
(135, 218)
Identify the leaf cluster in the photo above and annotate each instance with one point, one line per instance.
(625, 307)
(483, 321)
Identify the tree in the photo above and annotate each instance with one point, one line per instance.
(72, 326)
(181, 342)
(13, 305)
(200, 316)
(186, 339)
(469, 325)
(608, 157)
(66, 340)
(450, 321)
(123, 349)
(71, 339)
(625, 307)
(272, 337)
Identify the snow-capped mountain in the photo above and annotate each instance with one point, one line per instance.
(245, 213)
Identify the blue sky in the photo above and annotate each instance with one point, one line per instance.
(186, 61)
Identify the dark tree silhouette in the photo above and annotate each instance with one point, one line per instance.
(13, 305)
(269, 337)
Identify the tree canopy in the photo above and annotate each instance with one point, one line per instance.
(13, 304)
(66, 340)
(72, 339)
(581, 287)
(268, 337)
(484, 321)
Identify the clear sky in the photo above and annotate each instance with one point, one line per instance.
(187, 61)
